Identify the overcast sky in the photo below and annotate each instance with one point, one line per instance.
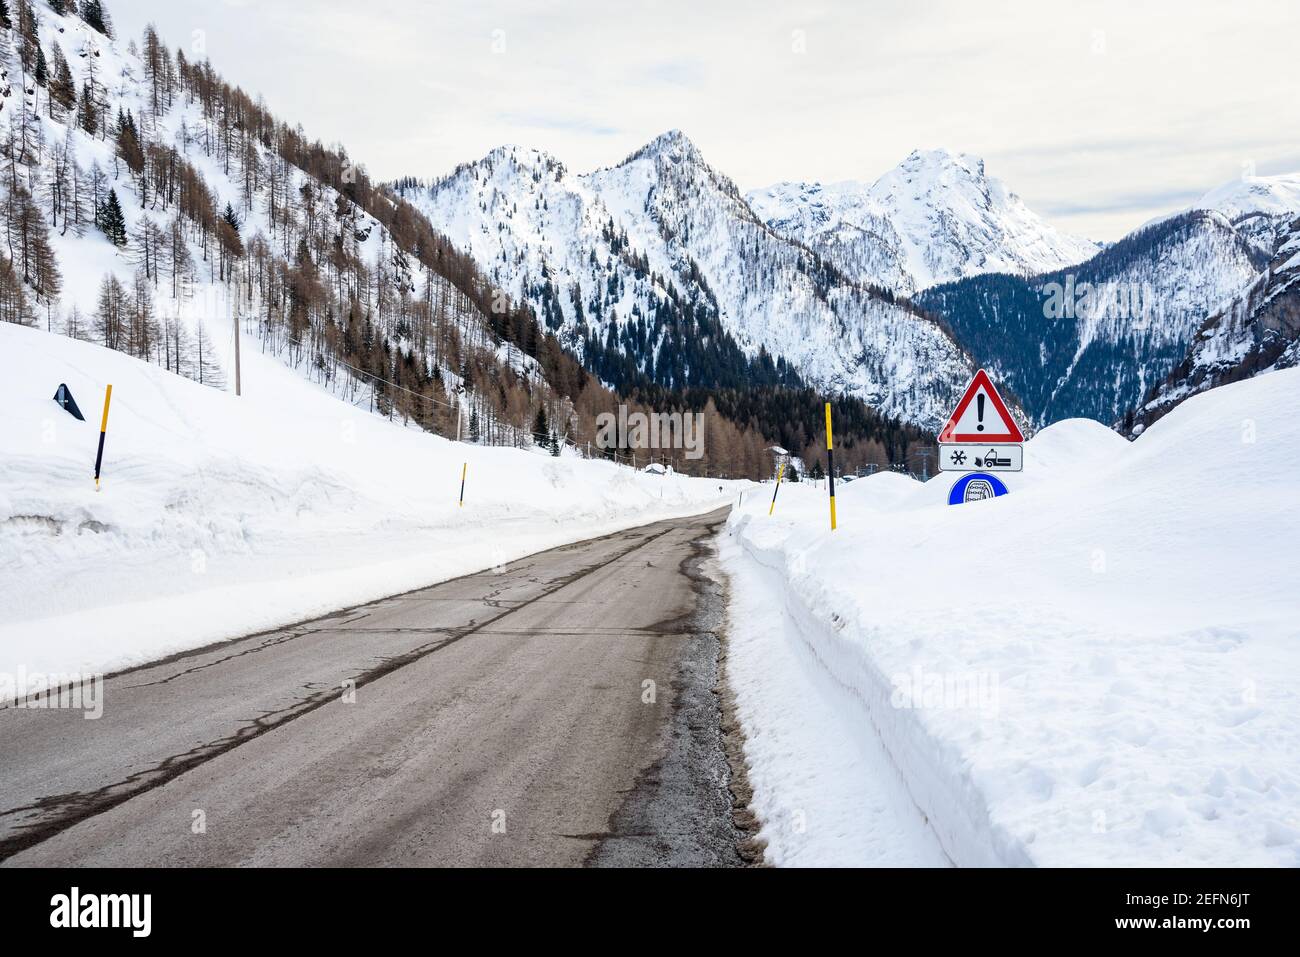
(1099, 114)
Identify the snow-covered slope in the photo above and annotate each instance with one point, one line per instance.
(936, 217)
(221, 515)
(227, 210)
(1260, 207)
(1269, 195)
(1097, 669)
(1257, 332)
(620, 244)
(1092, 339)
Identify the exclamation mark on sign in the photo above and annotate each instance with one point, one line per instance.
(979, 410)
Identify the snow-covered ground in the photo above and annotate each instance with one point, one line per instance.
(219, 515)
(1098, 669)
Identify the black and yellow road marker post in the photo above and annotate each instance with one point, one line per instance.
(830, 464)
(103, 429)
(464, 468)
(779, 472)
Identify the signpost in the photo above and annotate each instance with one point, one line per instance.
(976, 487)
(980, 438)
(981, 416)
(830, 464)
(103, 431)
(779, 472)
(990, 458)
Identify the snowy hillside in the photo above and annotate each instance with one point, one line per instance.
(1092, 339)
(1092, 670)
(219, 515)
(155, 203)
(934, 218)
(663, 231)
(1257, 332)
(1259, 206)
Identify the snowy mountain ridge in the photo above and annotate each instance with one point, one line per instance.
(1090, 340)
(1257, 332)
(936, 217)
(1260, 208)
(608, 257)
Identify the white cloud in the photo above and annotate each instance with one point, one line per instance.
(1098, 112)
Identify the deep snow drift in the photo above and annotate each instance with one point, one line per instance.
(221, 515)
(1097, 669)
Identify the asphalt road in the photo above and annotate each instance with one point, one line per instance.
(503, 718)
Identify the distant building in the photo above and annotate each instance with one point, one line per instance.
(780, 457)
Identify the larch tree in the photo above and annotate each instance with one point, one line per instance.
(110, 313)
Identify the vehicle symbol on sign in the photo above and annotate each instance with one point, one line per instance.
(992, 461)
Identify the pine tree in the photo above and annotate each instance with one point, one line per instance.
(555, 444)
(96, 17)
(88, 109)
(541, 431)
(42, 71)
(110, 220)
(5, 21)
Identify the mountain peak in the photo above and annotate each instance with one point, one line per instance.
(935, 217)
(1272, 195)
(937, 167)
(673, 145)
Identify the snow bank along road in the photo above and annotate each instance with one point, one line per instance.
(500, 718)
(1099, 669)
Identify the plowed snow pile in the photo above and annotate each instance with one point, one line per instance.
(1100, 668)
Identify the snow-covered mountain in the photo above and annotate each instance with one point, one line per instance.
(153, 208)
(1091, 340)
(615, 258)
(1119, 349)
(936, 217)
(1260, 207)
(1257, 332)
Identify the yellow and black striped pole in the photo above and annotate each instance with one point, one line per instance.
(779, 472)
(103, 430)
(830, 464)
(463, 470)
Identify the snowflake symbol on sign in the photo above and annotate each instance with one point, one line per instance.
(959, 458)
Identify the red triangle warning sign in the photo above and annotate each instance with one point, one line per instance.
(981, 416)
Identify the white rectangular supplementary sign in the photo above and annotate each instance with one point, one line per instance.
(981, 458)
